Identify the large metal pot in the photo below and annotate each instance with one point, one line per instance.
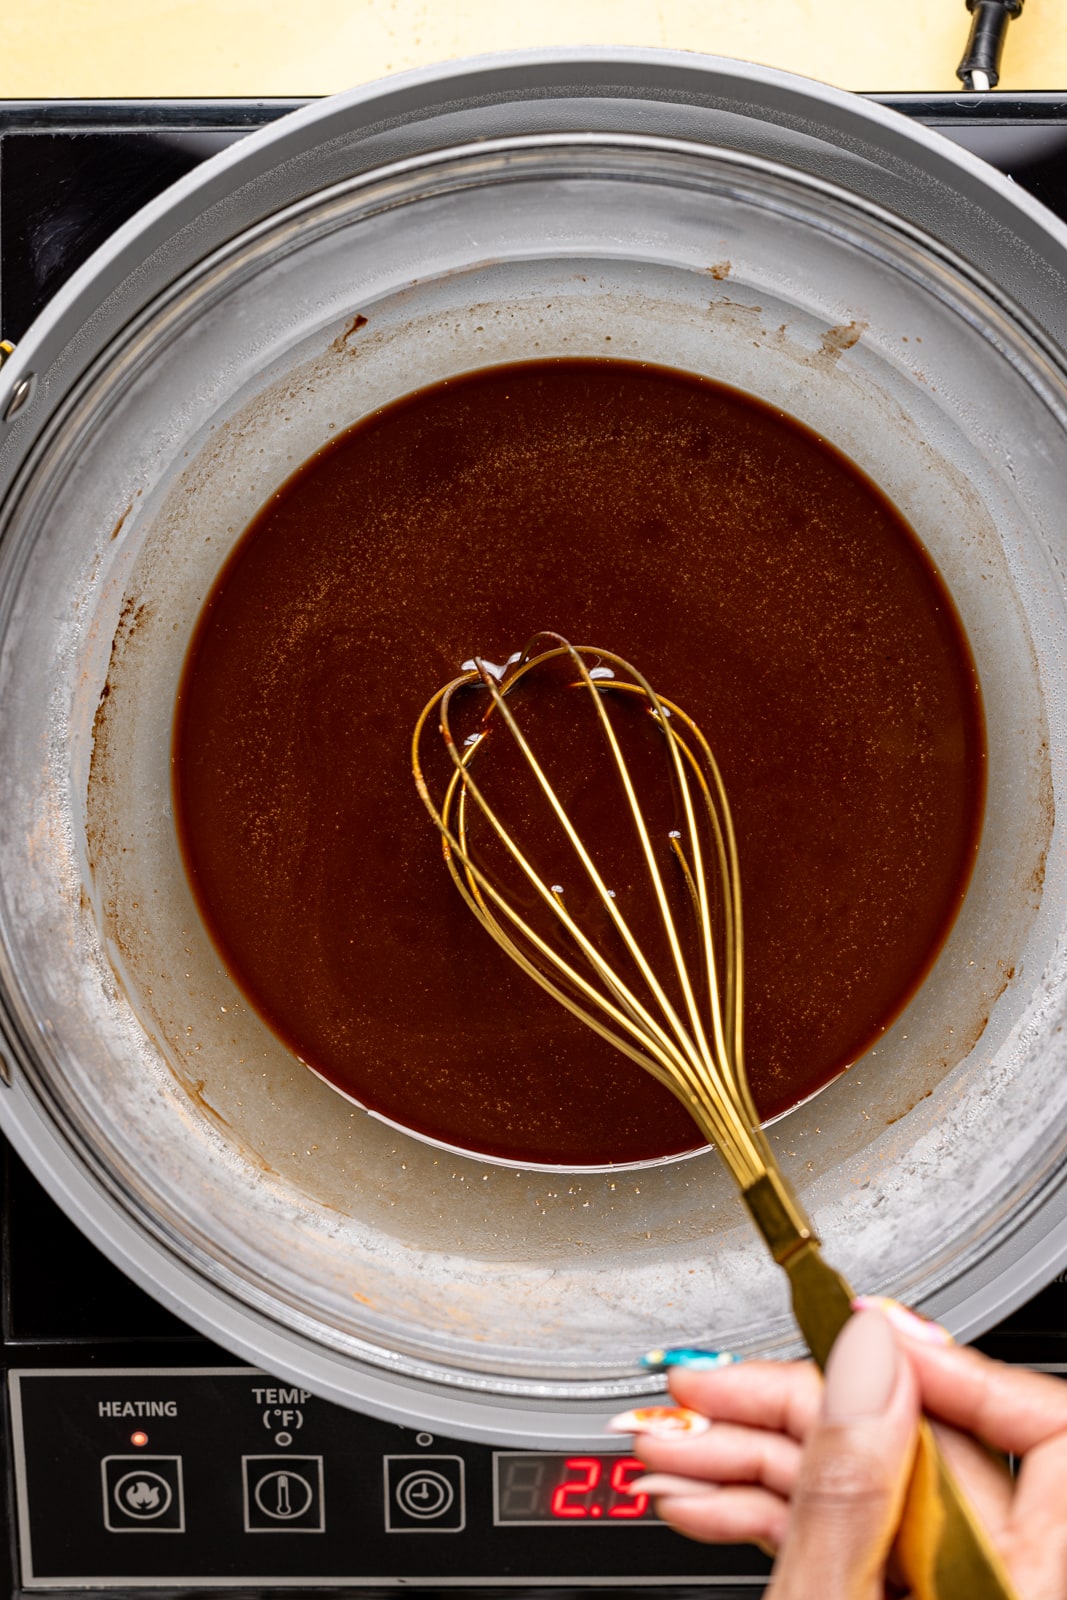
(882, 287)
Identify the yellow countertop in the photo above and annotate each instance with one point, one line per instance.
(160, 48)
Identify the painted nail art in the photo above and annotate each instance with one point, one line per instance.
(661, 1421)
(909, 1323)
(657, 1483)
(692, 1360)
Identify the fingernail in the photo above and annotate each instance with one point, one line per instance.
(909, 1323)
(692, 1360)
(656, 1483)
(861, 1373)
(660, 1421)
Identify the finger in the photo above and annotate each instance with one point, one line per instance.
(1035, 1540)
(659, 1483)
(783, 1396)
(982, 1476)
(726, 1454)
(659, 1422)
(1012, 1410)
(850, 1488)
(727, 1516)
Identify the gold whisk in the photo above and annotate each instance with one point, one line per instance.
(682, 1021)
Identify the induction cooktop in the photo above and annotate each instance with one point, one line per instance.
(140, 1458)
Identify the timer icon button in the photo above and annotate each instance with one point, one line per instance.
(424, 1494)
(143, 1494)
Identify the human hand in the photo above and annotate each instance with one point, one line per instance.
(818, 1475)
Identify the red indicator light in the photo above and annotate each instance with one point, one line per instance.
(139, 1439)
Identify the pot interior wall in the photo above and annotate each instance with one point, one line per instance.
(364, 1238)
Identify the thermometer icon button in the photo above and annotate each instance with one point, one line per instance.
(283, 1495)
(283, 1492)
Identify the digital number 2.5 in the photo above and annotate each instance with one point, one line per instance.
(567, 1499)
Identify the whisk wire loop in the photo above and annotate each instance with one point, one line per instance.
(722, 827)
(677, 1032)
(699, 1042)
(479, 885)
(705, 1072)
(477, 889)
(661, 1054)
(718, 997)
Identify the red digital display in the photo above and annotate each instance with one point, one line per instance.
(550, 1488)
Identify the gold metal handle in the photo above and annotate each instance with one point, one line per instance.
(943, 1550)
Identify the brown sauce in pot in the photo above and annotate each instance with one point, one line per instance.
(750, 571)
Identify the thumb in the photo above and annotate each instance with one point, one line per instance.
(849, 1492)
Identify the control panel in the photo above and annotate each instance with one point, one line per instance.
(227, 1477)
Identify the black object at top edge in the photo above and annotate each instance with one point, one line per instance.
(27, 116)
(82, 116)
(985, 46)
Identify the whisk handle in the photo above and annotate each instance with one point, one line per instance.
(941, 1546)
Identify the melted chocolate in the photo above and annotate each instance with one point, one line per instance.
(750, 571)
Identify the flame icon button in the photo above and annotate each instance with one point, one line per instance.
(143, 1494)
